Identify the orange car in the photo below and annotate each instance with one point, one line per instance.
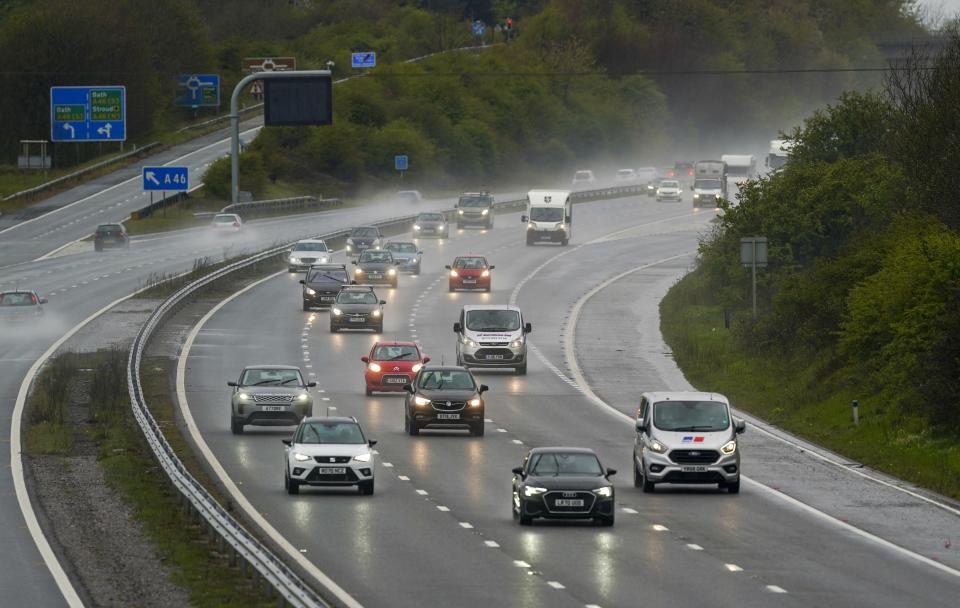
(391, 365)
(470, 272)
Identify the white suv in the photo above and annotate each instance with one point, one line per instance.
(328, 451)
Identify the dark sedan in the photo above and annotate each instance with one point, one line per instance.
(357, 307)
(444, 397)
(362, 238)
(407, 255)
(322, 284)
(562, 483)
(376, 266)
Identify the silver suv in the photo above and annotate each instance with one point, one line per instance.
(269, 395)
(686, 437)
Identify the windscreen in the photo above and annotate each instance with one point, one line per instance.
(375, 257)
(669, 184)
(470, 263)
(310, 247)
(363, 232)
(331, 432)
(396, 353)
(401, 247)
(224, 219)
(493, 320)
(546, 214)
(430, 217)
(647, 172)
(271, 377)
(560, 463)
(707, 184)
(17, 298)
(109, 229)
(683, 416)
(323, 275)
(582, 175)
(474, 201)
(446, 379)
(356, 297)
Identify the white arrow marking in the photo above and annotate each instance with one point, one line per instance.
(105, 129)
(151, 177)
(69, 127)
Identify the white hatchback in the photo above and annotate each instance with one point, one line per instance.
(669, 190)
(329, 451)
(227, 223)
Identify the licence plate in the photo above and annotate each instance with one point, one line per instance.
(331, 471)
(356, 320)
(546, 237)
(494, 357)
(273, 408)
(396, 380)
(569, 502)
(375, 275)
(469, 281)
(327, 298)
(448, 416)
(694, 469)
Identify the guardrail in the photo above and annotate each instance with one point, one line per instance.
(281, 204)
(243, 545)
(213, 121)
(78, 174)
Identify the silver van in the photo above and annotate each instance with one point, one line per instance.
(686, 438)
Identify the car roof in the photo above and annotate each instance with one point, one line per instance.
(548, 449)
(357, 288)
(469, 307)
(311, 241)
(395, 343)
(445, 368)
(470, 255)
(685, 396)
(400, 243)
(272, 366)
(3, 293)
(359, 227)
(328, 266)
(482, 193)
(110, 224)
(330, 419)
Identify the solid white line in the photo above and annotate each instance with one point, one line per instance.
(241, 500)
(570, 353)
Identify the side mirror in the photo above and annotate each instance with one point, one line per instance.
(483, 388)
(354, 262)
(419, 253)
(365, 359)
(447, 267)
(740, 426)
(641, 427)
(382, 302)
(43, 300)
(302, 282)
(408, 388)
(426, 360)
(287, 442)
(492, 267)
(311, 384)
(232, 384)
(518, 471)
(372, 442)
(523, 219)
(528, 328)
(457, 328)
(611, 472)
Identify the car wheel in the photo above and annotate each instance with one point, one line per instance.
(477, 430)
(293, 486)
(607, 521)
(333, 328)
(523, 518)
(366, 487)
(369, 392)
(522, 370)
(406, 422)
(291, 269)
(489, 287)
(378, 329)
(564, 242)
(459, 226)
(97, 248)
(490, 225)
(733, 487)
(306, 306)
(236, 427)
(648, 486)
(416, 271)
(413, 428)
(452, 289)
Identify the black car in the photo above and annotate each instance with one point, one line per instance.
(376, 266)
(362, 238)
(475, 209)
(431, 224)
(110, 235)
(20, 305)
(444, 397)
(322, 284)
(357, 307)
(562, 483)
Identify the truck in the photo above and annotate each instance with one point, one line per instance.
(740, 168)
(779, 153)
(549, 216)
(709, 183)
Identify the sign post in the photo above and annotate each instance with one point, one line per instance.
(753, 253)
(97, 113)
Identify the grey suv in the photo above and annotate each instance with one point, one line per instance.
(475, 209)
(269, 395)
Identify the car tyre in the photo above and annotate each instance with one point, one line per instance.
(369, 392)
(333, 328)
(477, 430)
(412, 428)
(489, 287)
(637, 475)
(522, 370)
(607, 521)
(564, 242)
(648, 486)
(416, 271)
(525, 520)
(378, 329)
(236, 427)
(452, 288)
(306, 306)
(733, 487)
(293, 486)
(366, 487)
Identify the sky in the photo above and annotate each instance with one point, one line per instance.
(949, 7)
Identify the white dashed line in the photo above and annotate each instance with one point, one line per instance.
(422, 492)
(519, 563)
(467, 525)
(629, 510)
(518, 442)
(442, 508)
(403, 478)
(660, 528)
(694, 547)
(502, 430)
(733, 568)
(388, 465)
(491, 543)
(775, 589)
(555, 585)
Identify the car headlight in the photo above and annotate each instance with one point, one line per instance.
(294, 260)
(485, 273)
(562, 227)
(416, 227)
(604, 492)
(374, 367)
(729, 448)
(657, 447)
(416, 367)
(303, 397)
(453, 273)
(517, 343)
(421, 401)
(311, 292)
(484, 212)
(324, 260)
(336, 312)
(531, 226)
(468, 342)
(300, 457)
(243, 396)
(358, 271)
(460, 211)
(533, 490)
(391, 271)
(375, 313)
(475, 402)
(362, 457)
(696, 196)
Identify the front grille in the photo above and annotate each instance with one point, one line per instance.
(315, 477)
(272, 398)
(494, 343)
(483, 353)
(449, 406)
(550, 499)
(360, 315)
(694, 456)
(331, 459)
(307, 260)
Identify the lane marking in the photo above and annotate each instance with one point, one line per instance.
(403, 478)
(466, 525)
(422, 492)
(775, 589)
(733, 568)
(629, 510)
(694, 547)
(491, 543)
(443, 508)
(519, 563)
(555, 585)
(660, 528)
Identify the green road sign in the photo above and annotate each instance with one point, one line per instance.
(70, 112)
(106, 104)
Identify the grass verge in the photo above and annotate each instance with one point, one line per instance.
(122, 453)
(808, 397)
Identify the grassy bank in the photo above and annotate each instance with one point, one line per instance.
(97, 381)
(806, 397)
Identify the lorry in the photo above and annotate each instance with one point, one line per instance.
(779, 153)
(709, 183)
(549, 216)
(740, 168)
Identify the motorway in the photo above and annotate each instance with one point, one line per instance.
(439, 528)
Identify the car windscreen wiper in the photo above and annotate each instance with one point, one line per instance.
(702, 427)
(338, 279)
(290, 380)
(262, 382)
(398, 357)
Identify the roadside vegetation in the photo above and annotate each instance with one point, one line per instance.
(96, 383)
(861, 299)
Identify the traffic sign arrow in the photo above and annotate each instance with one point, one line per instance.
(73, 132)
(105, 130)
(152, 177)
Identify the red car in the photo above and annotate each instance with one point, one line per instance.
(470, 272)
(391, 365)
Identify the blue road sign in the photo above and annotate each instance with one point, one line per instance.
(171, 179)
(400, 162)
(198, 90)
(479, 28)
(363, 60)
(88, 113)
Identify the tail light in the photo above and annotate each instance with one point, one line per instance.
(236, 224)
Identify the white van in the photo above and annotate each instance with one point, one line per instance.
(549, 216)
(492, 335)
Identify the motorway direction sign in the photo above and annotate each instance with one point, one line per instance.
(97, 113)
(198, 90)
(363, 60)
(269, 64)
(401, 162)
(170, 179)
